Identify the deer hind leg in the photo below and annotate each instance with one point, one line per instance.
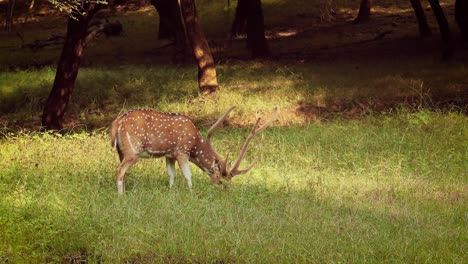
(121, 155)
(184, 166)
(170, 164)
(121, 170)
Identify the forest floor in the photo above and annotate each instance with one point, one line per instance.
(390, 36)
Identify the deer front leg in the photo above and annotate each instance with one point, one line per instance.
(184, 166)
(170, 164)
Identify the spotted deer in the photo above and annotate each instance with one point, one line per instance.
(146, 133)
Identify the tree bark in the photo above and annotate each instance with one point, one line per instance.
(207, 80)
(240, 20)
(9, 15)
(171, 25)
(424, 29)
(162, 8)
(256, 30)
(67, 70)
(443, 27)
(364, 12)
(249, 19)
(461, 16)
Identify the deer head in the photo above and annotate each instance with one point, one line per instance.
(147, 133)
(224, 169)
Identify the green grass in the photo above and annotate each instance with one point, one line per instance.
(383, 189)
(102, 92)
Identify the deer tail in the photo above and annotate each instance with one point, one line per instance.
(113, 132)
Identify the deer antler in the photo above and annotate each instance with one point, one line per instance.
(218, 123)
(255, 131)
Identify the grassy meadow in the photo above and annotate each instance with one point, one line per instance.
(367, 162)
(381, 189)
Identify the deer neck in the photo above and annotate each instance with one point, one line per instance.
(205, 157)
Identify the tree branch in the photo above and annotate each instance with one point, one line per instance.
(108, 28)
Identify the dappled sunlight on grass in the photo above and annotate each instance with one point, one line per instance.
(304, 93)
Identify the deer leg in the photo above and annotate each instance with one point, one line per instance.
(170, 164)
(184, 166)
(121, 170)
(121, 156)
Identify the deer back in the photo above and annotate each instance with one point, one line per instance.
(152, 133)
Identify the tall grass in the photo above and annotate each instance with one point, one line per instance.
(384, 189)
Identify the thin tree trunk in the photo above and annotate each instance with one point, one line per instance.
(9, 15)
(443, 27)
(207, 80)
(364, 12)
(171, 25)
(461, 16)
(424, 29)
(256, 30)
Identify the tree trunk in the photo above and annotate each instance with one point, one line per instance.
(256, 30)
(67, 69)
(65, 77)
(9, 15)
(207, 80)
(461, 16)
(443, 27)
(240, 19)
(165, 31)
(364, 12)
(171, 25)
(249, 18)
(424, 29)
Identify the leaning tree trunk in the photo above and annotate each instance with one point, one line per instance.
(424, 29)
(207, 81)
(443, 27)
(364, 12)
(67, 70)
